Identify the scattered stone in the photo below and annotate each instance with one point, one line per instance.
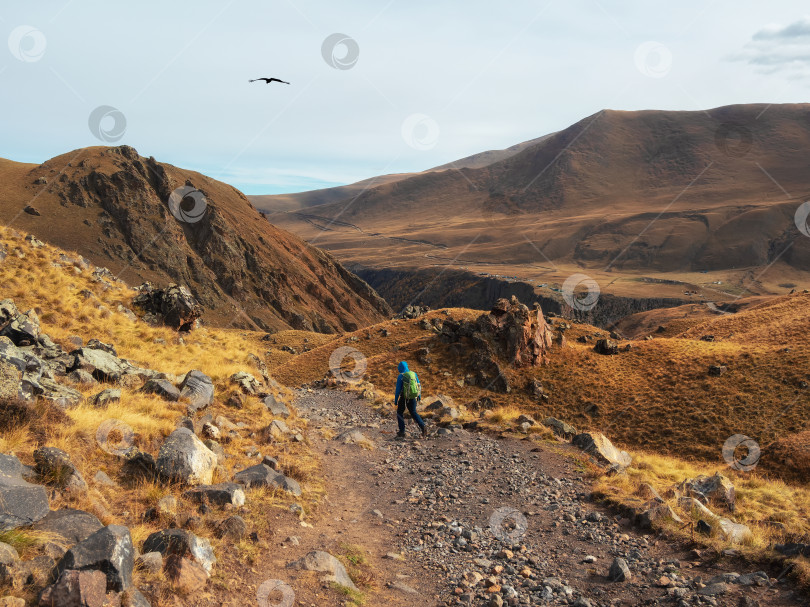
(276, 407)
(184, 458)
(163, 388)
(220, 494)
(151, 562)
(74, 526)
(261, 475)
(717, 370)
(108, 550)
(182, 543)
(325, 563)
(716, 489)
(560, 428)
(619, 571)
(21, 503)
(198, 389)
(248, 384)
(233, 528)
(606, 346)
(54, 467)
(602, 450)
(76, 589)
(106, 397)
(31, 211)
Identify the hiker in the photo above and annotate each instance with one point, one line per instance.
(408, 392)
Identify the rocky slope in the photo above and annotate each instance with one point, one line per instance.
(146, 220)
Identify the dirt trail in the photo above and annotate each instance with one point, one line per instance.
(470, 512)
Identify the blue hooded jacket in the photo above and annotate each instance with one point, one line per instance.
(402, 368)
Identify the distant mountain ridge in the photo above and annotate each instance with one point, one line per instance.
(643, 190)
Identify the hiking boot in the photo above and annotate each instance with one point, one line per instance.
(424, 431)
(400, 435)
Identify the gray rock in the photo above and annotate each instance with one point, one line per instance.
(220, 494)
(184, 458)
(10, 378)
(102, 365)
(8, 554)
(276, 407)
(182, 543)
(21, 503)
(81, 377)
(109, 550)
(560, 428)
(246, 382)
(105, 397)
(325, 563)
(198, 389)
(352, 436)
(261, 475)
(602, 450)
(619, 571)
(74, 526)
(163, 388)
(233, 528)
(55, 467)
(102, 478)
(217, 449)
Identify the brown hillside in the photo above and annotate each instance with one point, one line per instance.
(648, 191)
(111, 205)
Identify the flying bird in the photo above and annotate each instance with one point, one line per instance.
(269, 80)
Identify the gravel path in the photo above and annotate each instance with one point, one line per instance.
(470, 519)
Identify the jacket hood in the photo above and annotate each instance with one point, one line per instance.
(403, 367)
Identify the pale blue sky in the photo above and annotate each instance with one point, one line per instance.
(470, 74)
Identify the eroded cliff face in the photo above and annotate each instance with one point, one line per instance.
(146, 220)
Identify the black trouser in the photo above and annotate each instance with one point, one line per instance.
(410, 403)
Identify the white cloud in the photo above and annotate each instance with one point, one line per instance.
(778, 48)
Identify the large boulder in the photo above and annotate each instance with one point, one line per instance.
(606, 346)
(182, 543)
(602, 450)
(55, 468)
(560, 428)
(324, 562)
(21, 503)
(174, 306)
(74, 526)
(185, 459)
(262, 475)
(248, 384)
(109, 550)
(198, 389)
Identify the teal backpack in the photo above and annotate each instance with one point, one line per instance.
(410, 385)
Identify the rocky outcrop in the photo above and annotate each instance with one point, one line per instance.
(510, 333)
(173, 306)
(181, 543)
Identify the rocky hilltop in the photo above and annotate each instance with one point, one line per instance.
(150, 221)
